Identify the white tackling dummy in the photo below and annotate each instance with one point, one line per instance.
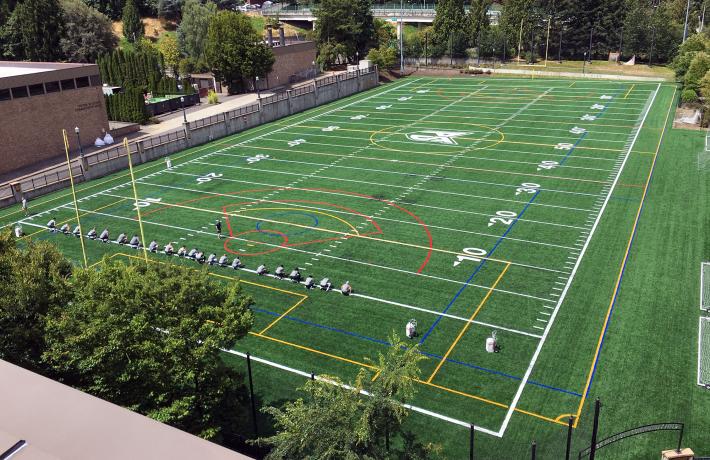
(492, 343)
(168, 163)
(410, 329)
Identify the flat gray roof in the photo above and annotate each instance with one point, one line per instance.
(59, 422)
(17, 68)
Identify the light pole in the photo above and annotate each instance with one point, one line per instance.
(653, 33)
(78, 140)
(315, 71)
(357, 58)
(258, 93)
(584, 64)
(182, 104)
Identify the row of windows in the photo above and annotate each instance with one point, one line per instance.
(49, 87)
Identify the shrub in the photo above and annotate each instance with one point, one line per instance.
(212, 97)
(688, 96)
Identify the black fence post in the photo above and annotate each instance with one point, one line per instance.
(595, 429)
(313, 375)
(470, 442)
(251, 395)
(426, 49)
(680, 437)
(569, 438)
(533, 451)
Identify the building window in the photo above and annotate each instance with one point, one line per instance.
(4, 94)
(51, 86)
(68, 84)
(36, 90)
(95, 80)
(19, 91)
(82, 82)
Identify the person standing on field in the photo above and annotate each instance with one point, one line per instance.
(168, 163)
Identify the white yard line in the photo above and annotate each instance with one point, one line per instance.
(533, 360)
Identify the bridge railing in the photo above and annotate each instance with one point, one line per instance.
(387, 11)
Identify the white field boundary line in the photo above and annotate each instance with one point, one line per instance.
(362, 392)
(570, 96)
(700, 349)
(250, 139)
(340, 234)
(346, 213)
(322, 192)
(385, 171)
(354, 261)
(419, 144)
(702, 286)
(546, 332)
(446, 315)
(563, 90)
(340, 179)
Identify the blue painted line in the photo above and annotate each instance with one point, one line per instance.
(431, 355)
(623, 267)
(480, 266)
(606, 107)
(569, 152)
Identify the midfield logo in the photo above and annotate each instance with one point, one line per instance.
(438, 137)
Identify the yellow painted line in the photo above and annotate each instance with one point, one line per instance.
(629, 91)
(621, 269)
(433, 385)
(282, 316)
(560, 417)
(313, 350)
(352, 227)
(468, 323)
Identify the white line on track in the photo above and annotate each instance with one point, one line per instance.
(525, 378)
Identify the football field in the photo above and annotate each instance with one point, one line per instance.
(476, 207)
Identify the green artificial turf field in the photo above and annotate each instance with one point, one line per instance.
(469, 205)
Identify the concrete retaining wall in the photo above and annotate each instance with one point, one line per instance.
(197, 132)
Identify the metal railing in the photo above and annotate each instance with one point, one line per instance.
(155, 141)
(301, 90)
(105, 155)
(274, 98)
(50, 177)
(211, 120)
(244, 110)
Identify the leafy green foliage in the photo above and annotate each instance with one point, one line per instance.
(345, 26)
(168, 47)
(688, 96)
(88, 32)
(127, 106)
(336, 422)
(450, 29)
(699, 66)
(132, 25)
(147, 337)
(234, 50)
(33, 281)
(383, 57)
(192, 31)
(34, 31)
(135, 69)
(212, 97)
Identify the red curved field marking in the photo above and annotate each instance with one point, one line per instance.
(284, 237)
(389, 203)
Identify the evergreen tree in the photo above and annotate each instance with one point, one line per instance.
(450, 31)
(345, 25)
(34, 31)
(132, 23)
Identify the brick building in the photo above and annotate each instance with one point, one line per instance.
(37, 101)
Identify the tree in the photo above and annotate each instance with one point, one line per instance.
(478, 21)
(699, 66)
(168, 47)
(34, 31)
(88, 32)
(192, 31)
(348, 23)
(234, 50)
(383, 57)
(336, 422)
(449, 29)
(686, 53)
(33, 281)
(132, 23)
(148, 338)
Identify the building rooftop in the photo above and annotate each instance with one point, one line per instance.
(15, 68)
(58, 422)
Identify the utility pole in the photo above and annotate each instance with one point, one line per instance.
(685, 27)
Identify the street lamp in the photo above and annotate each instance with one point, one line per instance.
(258, 93)
(357, 58)
(78, 140)
(182, 104)
(315, 71)
(584, 64)
(654, 5)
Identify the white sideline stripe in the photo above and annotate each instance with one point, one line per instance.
(702, 285)
(528, 296)
(525, 378)
(250, 139)
(362, 392)
(396, 162)
(700, 347)
(437, 313)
